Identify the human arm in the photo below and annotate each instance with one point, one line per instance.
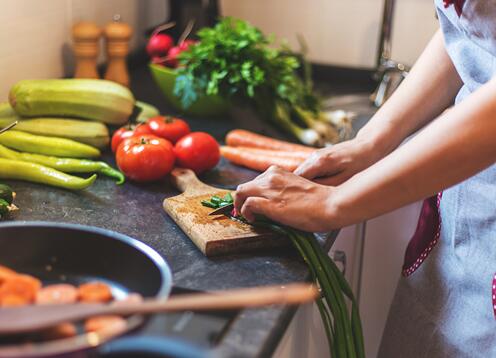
(427, 91)
(455, 146)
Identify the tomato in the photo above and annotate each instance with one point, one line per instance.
(197, 151)
(145, 157)
(142, 128)
(169, 128)
(126, 132)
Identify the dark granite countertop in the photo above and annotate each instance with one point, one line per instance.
(136, 210)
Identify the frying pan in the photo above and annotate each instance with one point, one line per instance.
(56, 252)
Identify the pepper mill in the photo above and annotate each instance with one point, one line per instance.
(117, 36)
(86, 36)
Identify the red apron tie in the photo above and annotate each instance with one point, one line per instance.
(425, 237)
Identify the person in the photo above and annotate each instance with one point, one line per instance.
(445, 305)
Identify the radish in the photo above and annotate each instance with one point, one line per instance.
(159, 45)
(172, 56)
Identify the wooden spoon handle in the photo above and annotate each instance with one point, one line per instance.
(232, 299)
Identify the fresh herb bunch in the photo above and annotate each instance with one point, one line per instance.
(343, 329)
(237, 61)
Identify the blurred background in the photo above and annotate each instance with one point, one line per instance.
(338, 32)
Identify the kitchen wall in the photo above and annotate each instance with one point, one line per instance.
(341, 32)
(35, 35)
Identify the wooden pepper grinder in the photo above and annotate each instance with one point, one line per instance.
(86, 36)
(117, 36)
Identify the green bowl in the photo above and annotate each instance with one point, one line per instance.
(203, 106)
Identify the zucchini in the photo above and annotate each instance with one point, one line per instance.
(99, 100)
(147, 111)
(7, 111)
(93, 133)
(6, 193)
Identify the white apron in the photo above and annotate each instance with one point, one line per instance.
(445, 303)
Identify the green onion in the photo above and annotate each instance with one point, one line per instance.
(343, 330)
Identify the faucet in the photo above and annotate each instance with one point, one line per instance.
(389, 73)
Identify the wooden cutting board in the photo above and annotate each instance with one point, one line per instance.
(213, 235)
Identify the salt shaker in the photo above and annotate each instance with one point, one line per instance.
(117, 35)
(86, 36)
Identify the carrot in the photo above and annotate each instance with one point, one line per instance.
(57, 294)
(243, 138)
(94, 292)
(276, 153)
(19, 289)
(63, 330)
(109, 324)
(11, 300)
(5, 273)
(255, 160)
(131, 298)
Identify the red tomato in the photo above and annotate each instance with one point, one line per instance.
(142, 128)
(169, 128)
(119, 135)
(158, 45)
(127, 132)
(197, 151)
(145, 158)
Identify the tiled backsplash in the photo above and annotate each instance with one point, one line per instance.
(35, 35)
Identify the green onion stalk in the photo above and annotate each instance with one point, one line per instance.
(343, 329)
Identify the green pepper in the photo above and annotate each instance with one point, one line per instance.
(4, 208)
(6, 193)
(66, 165)
(59, 147)
(16, 169)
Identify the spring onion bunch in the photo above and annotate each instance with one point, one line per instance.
(237, 61)
(343, 329)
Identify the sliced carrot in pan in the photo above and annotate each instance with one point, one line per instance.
(94, 292)
(131, 298)
(57, 294)
(11, 300)
(109, 324)
(63, 330)
(5, 272)
(24, 287)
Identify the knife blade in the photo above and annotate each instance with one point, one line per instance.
(225, 210)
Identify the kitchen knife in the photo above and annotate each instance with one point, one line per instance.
(224, 210)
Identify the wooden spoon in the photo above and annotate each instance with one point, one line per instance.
(36, 317)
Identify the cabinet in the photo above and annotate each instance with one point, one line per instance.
(373, 271)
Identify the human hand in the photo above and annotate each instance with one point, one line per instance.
(288, 199)
(334, 165)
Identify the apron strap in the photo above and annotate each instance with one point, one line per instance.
(425, 237)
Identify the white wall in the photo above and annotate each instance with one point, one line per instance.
(35, 35)
(341, 32)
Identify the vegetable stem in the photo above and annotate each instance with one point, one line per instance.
(344, 332)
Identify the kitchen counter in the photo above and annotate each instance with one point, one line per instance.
(136, 210)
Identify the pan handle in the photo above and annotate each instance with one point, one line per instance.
(151, 347)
